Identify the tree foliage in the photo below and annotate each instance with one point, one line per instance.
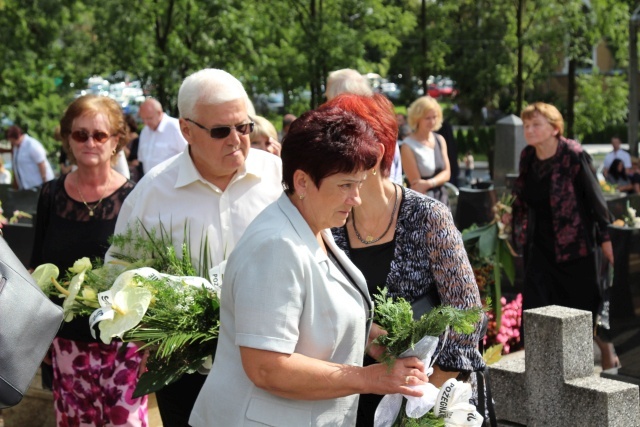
(501, 53)
(602, 102)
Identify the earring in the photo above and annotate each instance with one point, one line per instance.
(301, 196)
(374, 172)
(114, 153)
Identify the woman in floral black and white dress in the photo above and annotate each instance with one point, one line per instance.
(408, 243)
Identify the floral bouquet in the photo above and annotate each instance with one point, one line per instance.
(607, 188)
(490, 243)
(631, 220)
(507, 336)
(448, 406)
(157, 301)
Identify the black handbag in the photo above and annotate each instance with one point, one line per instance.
(28, 323)
(425, 304)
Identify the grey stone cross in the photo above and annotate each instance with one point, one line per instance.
(553, 383)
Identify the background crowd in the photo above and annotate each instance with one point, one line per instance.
(364, 207)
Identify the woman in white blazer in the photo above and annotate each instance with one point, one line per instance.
(296, 313)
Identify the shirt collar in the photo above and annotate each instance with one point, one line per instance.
(188, 173)
(163, 123)
(302, 227)
(255, 163)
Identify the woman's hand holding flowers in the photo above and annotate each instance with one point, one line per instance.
(405, 372)
(374, 350)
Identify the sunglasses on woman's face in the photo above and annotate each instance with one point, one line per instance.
(83, 136)
(221, 132)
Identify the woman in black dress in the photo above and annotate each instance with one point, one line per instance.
(560, 220)
(92, 382)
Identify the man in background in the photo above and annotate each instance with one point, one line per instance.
(160, 138)
(347, 81)
(30, 166)
(286, 123)
(617, 153)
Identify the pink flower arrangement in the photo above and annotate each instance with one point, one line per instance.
(509, 333)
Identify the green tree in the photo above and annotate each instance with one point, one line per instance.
(424, 46)
(480, 60)
(334, 34)
(35, 70)
(602, 102)
(163, 41)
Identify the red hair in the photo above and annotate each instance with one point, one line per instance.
(325, 142)
(378, 112)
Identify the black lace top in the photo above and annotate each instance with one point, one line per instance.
(428, 256)
(65, 233)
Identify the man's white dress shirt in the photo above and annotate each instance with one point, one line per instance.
(158, 145)
(620, 154)
(175, 193)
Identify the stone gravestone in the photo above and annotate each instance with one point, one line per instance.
(509, 144)
(553, 384)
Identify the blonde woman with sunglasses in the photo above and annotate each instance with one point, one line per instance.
(92, 382)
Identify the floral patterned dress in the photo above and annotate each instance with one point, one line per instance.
(426, 256)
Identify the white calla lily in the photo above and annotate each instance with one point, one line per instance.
(81, 265)
(130, 304)
(43, 274)
(90, 298)
(127, 278)
(74, 288)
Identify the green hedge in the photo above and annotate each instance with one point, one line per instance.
(481, 141)
(477, 141)
(604, 136)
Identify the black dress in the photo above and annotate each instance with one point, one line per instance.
(572, 283)
(65, 232)
(374, 262)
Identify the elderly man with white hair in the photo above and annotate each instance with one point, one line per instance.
(216, 186)
(347, 81)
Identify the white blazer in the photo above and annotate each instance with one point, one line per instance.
(281, 293)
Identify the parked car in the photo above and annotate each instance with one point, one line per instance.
(438, 87)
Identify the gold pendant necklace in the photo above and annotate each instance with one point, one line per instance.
(369, 239)
(91, 209)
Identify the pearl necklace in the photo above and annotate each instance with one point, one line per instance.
(104, 193)
(369, 240)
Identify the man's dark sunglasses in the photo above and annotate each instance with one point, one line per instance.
(83, 136)
(220, 132)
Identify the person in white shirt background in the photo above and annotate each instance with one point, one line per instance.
(617, 153)
(30, 165)
(160, 138)
(216, 186)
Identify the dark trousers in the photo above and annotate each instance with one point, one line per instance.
(176, 400)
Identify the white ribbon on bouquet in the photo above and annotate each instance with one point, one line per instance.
(453, 405)
(451, 401)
